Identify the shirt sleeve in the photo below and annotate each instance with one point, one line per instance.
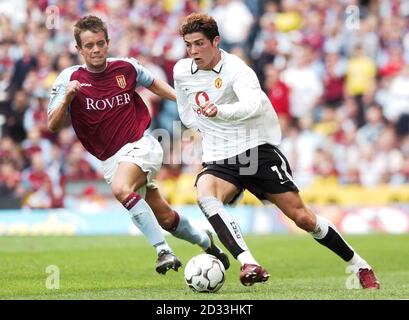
(144, 76)
(186, 113)
(247, 88)
(58, 89)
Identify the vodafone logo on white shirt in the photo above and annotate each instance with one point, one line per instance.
(200, 98)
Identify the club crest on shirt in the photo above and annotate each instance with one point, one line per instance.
(121, 81)
(218, 83)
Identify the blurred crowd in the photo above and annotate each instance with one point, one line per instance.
(336, 71)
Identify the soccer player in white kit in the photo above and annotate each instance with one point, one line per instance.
(221, 97)
(110, 119)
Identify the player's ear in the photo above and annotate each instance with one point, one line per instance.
(216, 41)
(80, 50)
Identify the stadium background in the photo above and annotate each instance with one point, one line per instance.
(336, 71)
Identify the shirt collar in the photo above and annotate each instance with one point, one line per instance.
(106, 65)
(217, 68)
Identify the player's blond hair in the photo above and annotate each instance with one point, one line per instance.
(199, 22)
(89, 23)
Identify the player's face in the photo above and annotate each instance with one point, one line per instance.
(94, 49)
(205, 53)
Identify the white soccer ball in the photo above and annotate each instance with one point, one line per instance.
(204, 273)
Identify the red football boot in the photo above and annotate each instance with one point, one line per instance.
(252, 273)
(368, 279)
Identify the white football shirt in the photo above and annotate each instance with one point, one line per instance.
(245, 117)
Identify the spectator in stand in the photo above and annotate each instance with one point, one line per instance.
(36, 144)
(289, 17)
(21, 68)
(39, 81)
(267, 56)
(233, 31)
(277, 91)
(347, 153)
(55, 172)
(312, 34)
(397, 103)
(401, 176)
(305, 85)
(393, 61)
(10, 150)
(65, 139)
(375, 124)
(380, 161)
(77, 167)
(327, 123)
(15, 115)
(64, 60)
(324, 166)
(360, 79)
(304, 145)
(10, 179)
(38, 185)
(333, 79)
(36, 115)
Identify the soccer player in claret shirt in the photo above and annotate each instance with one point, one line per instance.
(218, 94)
(110, 119)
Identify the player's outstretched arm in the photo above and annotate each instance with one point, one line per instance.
(57, 117)
(162, 89)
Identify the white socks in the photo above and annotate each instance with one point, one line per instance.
(326, 233)
(321, 229)
(246, 258)
(143, 217)
(358, 263)
(227, 229)
(184, 230)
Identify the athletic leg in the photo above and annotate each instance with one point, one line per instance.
(180, 227)
(212, 194)
(324, 232)
(129, 177)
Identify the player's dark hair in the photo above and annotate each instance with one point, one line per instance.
(199, 22)
(89, 23)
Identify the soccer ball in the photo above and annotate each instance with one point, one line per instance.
(204, 273)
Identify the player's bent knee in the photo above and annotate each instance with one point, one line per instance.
(305, 221)
(201, 193)
(121, 192)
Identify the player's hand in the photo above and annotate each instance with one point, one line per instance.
(209, 109)
(72, 89)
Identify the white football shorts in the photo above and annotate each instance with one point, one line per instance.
(146, 153)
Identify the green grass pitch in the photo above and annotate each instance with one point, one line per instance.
(122, 267)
